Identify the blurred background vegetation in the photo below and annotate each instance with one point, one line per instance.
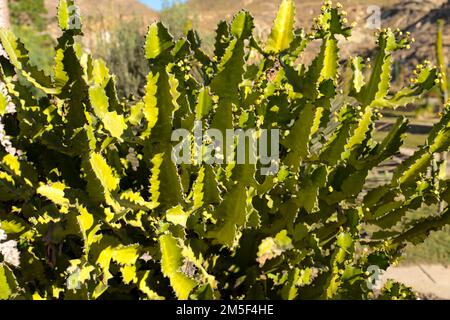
(29, 21)
(124, 56)
(175, 14)
(122, 47)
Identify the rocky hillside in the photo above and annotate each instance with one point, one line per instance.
(100, 15)
(420, 19)
(416, 16)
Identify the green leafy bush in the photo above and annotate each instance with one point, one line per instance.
(29, 22)
(123, 54)
(90, 196)
(175, 15)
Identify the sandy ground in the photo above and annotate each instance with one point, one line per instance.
(426, 279)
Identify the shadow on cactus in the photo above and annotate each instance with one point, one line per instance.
(96, 208)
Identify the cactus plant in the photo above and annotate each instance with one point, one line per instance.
(98, 209)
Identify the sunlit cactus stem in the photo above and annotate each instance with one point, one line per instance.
(443, 86)
(442, 65)
(100, 207)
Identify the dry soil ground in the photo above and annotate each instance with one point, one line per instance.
(430, 280)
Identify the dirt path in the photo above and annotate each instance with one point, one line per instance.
(426, 279)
